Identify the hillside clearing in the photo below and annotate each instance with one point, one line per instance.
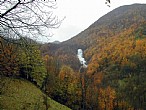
(19, 94)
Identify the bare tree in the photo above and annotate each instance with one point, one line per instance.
(31, 18)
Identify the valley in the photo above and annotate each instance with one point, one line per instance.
(102, 68)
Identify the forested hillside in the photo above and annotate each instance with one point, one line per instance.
(114, 47)
(115, 78)
(109, 25)
(23, 77)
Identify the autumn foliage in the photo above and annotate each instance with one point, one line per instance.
(8, 58)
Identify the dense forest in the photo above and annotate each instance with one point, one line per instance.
(115, 50)
(114, 47)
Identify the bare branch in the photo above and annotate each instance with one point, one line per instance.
(9, 10)
(30, 18)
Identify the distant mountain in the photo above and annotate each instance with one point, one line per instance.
(113, 23)
(56, 42)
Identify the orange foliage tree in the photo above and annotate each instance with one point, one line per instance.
(8, 58)
(106, 98)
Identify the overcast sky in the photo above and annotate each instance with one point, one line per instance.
(80, 14)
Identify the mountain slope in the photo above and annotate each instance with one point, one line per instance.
(113, 23)
(115, 48)
(18, 94)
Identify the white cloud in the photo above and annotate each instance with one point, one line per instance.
(82, 13)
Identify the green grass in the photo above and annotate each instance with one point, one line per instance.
(20, 94)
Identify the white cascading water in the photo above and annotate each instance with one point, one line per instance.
(81, 59)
